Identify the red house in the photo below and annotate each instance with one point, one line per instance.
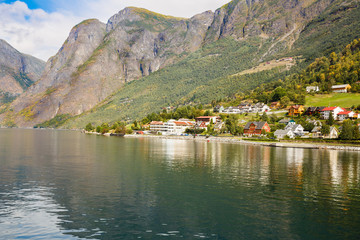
(255, 128)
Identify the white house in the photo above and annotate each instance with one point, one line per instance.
(297, 129)
(279, 134)
(157, 126)
(334, 133)
(312, 89)
(171, 127)
(232, 110)
(260, 107)
(316, 132)
(345, 115)
(325, 113)
(341, 88)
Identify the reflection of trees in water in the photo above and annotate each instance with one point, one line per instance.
(119, 188)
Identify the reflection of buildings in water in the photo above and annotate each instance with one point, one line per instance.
(295, 156)
(334, 168)
(265, 165)
(295, 161)
(203, 153)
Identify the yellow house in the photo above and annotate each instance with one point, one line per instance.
(296, 110)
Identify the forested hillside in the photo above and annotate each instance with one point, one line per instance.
(209, 74)
(140, 61)
(337, 68)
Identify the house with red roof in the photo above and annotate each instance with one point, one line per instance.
(325, 113)
(204, 121)
(345, 115)
(256, 128)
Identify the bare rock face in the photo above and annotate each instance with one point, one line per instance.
(44, 98)
(17, 71)
(97, 59)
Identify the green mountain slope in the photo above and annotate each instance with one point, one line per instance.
(208, 74)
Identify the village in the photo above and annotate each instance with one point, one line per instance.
(271, 121)
(253, 121)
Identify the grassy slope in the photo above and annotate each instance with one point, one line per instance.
(334, 99)
(203, 76)
(195, 79)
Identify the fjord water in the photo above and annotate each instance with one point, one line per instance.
(68, 185)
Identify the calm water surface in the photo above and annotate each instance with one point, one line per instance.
(68, 185)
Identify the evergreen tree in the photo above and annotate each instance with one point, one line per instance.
(331, 120)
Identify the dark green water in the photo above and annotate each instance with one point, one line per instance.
(68, 185)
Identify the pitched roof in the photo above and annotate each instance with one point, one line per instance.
(258, 125)
(183, 123)
(329, 109)
(282, 132)
(206, 117)
(156, 123)
(344, 113)
(340, 86)
(316, 129)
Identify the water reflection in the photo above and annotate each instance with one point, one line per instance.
(79, 186)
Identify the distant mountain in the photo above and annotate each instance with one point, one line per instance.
(141, 61)
(17, 71)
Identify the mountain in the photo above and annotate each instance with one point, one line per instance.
(141, 61)
(17, 71)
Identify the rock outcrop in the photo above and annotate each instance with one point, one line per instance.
(97, 59)
(17, 71)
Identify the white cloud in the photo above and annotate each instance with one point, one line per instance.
(34, 32)
(41, 34)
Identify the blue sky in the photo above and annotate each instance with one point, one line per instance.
(39, 27)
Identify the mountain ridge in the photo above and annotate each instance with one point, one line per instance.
(17, 71)
(136, 43)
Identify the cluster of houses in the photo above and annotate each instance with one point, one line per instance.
(336, 88)
(293, 130)
(244, 108)
(178, 127)
(337, 113)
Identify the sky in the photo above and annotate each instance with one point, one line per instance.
(39, 27)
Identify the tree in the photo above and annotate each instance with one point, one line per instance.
(347, 130)
(121, 129)
(356, 132)
(325, 129)
(265, 117)
(284, 101)
(278, 93)
(89, 127)
(210, 127)
(231, 123)
(309, 126)
(331, 120)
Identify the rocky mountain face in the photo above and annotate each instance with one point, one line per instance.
(98, 59)
(17, 71)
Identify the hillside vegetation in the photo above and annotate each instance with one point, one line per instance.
(337, 68)
(147, 61)
(210, 73)
(346, 100)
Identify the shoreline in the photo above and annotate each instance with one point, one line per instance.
(240, 141)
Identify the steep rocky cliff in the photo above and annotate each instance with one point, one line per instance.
(17, 71)
(98, 59)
